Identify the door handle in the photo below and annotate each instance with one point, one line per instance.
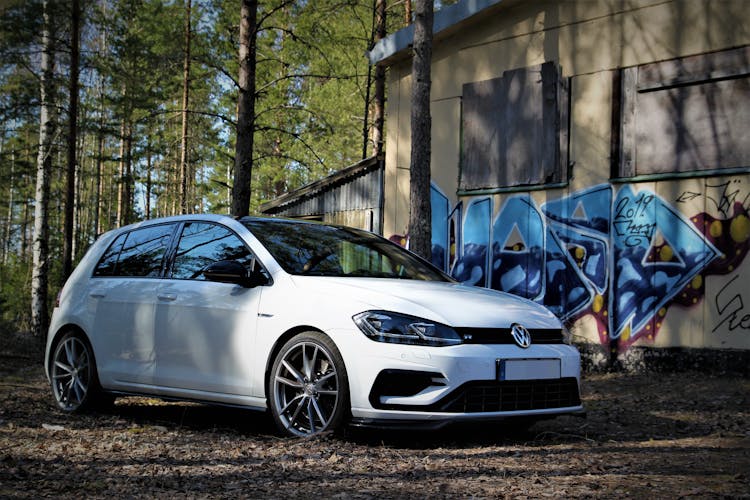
(97, 294)
(169, 297)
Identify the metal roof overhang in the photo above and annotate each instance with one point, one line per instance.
(447, 21)
(317, 187)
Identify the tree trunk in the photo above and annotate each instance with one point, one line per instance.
(378, 111)
(121, 178)
(185, 204)
(40, 267)
(68, 234)
(99, 195)
(243, 160)
(11, 201)
(420, 227)
(407, 12)
(129, 178)
(148, 178)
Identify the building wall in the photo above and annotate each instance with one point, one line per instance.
(666, 264)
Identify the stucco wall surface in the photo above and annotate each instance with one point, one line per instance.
(658, 262)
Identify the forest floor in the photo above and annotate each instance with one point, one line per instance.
(651, 435)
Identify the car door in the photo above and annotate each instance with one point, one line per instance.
(123, 295)
(205, 331)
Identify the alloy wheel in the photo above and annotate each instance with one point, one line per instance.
(71, 373)
(306, 389)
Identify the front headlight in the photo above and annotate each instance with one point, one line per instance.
(383, 326)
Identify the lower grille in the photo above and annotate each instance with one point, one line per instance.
(512, 395)
(492, 396)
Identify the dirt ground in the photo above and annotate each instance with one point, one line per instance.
(654, 435)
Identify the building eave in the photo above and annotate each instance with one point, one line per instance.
(447, 21)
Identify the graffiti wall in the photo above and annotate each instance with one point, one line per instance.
(621, 255)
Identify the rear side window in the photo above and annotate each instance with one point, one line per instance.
(108, 262)
(202, 244)
(138, 253)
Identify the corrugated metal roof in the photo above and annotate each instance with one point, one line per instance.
(363, 191)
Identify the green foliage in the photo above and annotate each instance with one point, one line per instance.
(310, 111)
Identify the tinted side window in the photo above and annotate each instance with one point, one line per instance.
(108, 262)
(202, 244)
(143, 251)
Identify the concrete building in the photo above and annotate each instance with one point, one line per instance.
(593, 156)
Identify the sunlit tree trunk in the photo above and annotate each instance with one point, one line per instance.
(121, 178)
(40, 267)
(419, 193)
(379, 101)
(243, 160)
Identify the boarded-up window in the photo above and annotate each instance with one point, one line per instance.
(514, 129)
(685, 115)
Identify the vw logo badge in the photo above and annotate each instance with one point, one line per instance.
(521, 335)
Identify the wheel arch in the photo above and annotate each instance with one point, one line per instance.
(67, 328)
(283, 339)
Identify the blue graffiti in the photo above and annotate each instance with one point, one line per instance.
(518, 249)
(635, 249)
(471, 267)
(439, 244)
(655, 253)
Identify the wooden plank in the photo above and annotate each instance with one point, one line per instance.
(628, 101)
(696, 127)
(694, 69)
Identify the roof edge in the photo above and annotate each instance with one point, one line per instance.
(386, 50)
(360, 167)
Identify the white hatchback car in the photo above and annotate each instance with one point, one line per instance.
(320, 324)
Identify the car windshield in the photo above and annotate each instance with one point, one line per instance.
(312, 249)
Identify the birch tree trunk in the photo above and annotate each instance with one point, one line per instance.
(40, 259)
(243, 151)
(420, 227)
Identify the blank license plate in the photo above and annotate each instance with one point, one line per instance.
(527, 369)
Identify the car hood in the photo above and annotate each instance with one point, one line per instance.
(449, 303)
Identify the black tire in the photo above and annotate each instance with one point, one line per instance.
(308, 388)
(73, 376)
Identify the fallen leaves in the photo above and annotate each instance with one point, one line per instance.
(670, 435)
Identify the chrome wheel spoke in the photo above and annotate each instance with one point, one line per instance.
(297, 399)
(323, 420)
(297, 411)
(293, 371)
(291, 383)
(310, 417)
(308, 363)
(68, 369)
(328, 392)
(321, 380)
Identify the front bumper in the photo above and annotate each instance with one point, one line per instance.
(457, 383)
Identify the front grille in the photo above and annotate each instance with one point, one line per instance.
(513, 395)
(491, 396)
(503, 335)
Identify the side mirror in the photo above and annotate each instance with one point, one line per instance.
(231, 271)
